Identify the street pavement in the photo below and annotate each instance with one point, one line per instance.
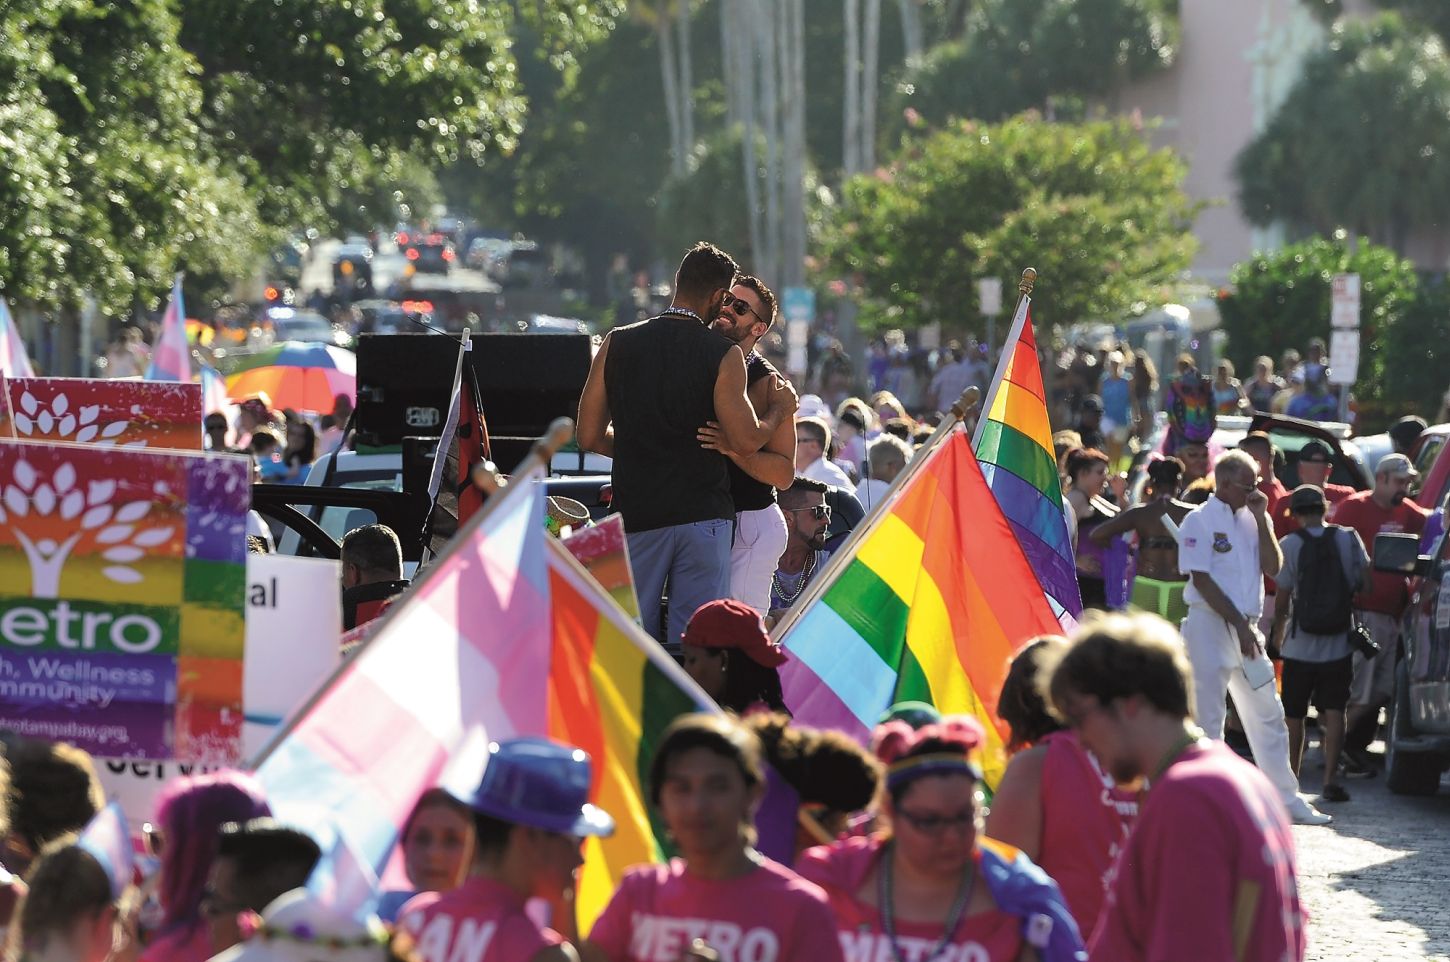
(1376, 882)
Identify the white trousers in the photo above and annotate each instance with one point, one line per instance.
(760, 538)
(1213, 650)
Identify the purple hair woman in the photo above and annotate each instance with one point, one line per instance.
(188, 815)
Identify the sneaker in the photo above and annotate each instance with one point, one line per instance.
(1302, 813)
(1334, 792)
(1354, 764)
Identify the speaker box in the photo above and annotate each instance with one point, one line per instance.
(525, 381)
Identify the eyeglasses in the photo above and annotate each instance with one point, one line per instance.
(741, 308)
(936, 825)
(821, 512)
(808, 440)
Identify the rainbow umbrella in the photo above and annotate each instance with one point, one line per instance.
(297, 375)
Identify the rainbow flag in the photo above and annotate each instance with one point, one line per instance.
(1013, 443)
(931, 606)
(171, 355)
(507, 635)
(612, 692)
(14, 361)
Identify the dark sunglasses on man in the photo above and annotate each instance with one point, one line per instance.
(821, 512)
(739, 306)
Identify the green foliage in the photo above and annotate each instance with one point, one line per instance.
(1281, 300)
(1362, 140)
(1098, 212)
(1416, 349)
(1021, 54)
(1434, 14)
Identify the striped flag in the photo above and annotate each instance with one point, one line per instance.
(171, 355)
(506, 636)
(1013, 443)
(930, 606)
(14, 361)
(612, 692)
(445, 672)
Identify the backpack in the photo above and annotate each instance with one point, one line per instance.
(1323, 596)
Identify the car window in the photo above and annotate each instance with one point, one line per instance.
(1425, 460)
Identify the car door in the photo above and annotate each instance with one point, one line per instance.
(1427, 645)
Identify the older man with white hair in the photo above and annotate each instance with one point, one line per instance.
(886, 457)
(1227, 548)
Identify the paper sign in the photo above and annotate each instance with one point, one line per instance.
(129, 414)
(603, 550)
(294, 621)
(122, 585)
(294, 618)
(1344, 356)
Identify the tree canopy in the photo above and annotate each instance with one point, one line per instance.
(1100, 214)
(1362, 140)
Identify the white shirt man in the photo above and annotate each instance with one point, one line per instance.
(1227, 547)
(812, 441)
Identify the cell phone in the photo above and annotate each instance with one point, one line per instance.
(1259, 671)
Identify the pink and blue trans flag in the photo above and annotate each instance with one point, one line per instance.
(171, 357)
(14, 361)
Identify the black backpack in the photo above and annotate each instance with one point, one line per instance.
(1323, 597)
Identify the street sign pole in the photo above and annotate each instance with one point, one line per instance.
(989, 301)
(1344, 341)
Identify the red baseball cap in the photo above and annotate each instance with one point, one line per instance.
(728, 623)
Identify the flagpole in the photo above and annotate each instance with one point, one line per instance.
(1019, 318)
(847, 551)
(541, 454)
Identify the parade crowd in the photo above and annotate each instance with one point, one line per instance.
(1124, 828)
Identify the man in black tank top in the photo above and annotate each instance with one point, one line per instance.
(650, 388)
(760, 528)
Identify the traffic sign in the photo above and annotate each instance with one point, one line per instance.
(1344, 356)
(1344, 312)
(989, 296)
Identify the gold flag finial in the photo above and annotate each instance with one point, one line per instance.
(1029, 277)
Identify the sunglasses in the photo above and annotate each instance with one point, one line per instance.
(936, 825)
(821, 512)
(741, 308)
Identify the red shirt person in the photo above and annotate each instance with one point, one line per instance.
(1316, 462)
(1208, 870)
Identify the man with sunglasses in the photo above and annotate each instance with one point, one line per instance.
(650, 389)
(760, 528)
(1227, 548)
(807, 519)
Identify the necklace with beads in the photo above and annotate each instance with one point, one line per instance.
(682, 312)
(888, 909)
(790, 596)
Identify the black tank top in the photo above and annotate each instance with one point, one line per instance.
(748, 493)
(660, 381)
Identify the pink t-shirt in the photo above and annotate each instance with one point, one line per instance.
(185, 944)
(480, 921)
(769, 915)
(842, 868)
(1208, 872)
(1085, 821)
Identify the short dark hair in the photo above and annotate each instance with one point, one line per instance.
(721, 734)
(67, 884)
(490, 835)
(54, 790)
(766, 295)
(704, 270)
(270, 858)
(1119, 656)
(802, 488)
(373, 548)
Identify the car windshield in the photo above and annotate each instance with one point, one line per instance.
(1425, 460)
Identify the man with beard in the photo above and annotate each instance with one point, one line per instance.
(760, 529)
(650, 388)
(1208, 870)
(807, 519)
(1384, 508)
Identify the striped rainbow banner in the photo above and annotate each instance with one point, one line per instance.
(612, 692)
(1014, 446)
(931, 607)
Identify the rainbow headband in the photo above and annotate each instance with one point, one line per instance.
(900, 773)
